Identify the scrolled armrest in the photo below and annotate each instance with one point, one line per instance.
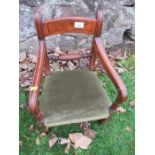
(112, 73)
(37, 78)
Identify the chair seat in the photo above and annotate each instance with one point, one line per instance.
(73, 97)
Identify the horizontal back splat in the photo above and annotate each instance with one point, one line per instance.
(69, 24)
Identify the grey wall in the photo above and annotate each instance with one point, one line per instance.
(118, 22)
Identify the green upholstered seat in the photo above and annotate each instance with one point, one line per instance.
(73, 97)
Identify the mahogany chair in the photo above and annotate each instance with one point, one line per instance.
(72, 96)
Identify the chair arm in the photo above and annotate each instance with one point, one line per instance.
(114, 76)
(37, 78)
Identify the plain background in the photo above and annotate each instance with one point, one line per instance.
(145, 77)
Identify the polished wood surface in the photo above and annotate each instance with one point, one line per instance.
(68, 24)
(98, 31)
(62, 25)
(37, 79)
(121, 89)
(68, 57)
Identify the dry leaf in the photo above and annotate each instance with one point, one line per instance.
(71, 65)
(67, 148)
(120, 69)
(54, 55)
(25, 84)
(90, 133)
(55, 66)
(33, 58)
(83, 142)
(20, 143)
(31, 127)
(27, 138)
(23, 106)
(74, 136)
(82, 42)
(52, 141)
(84, 125)
(132, 104)
(113, 63)
(121, 110)
(57, 50)
(21, 74)
(64, 141)
(38, 141)
(22, 56)
(23, 66)
(43, 134)
(80, 140)
(31, 67)
(119, 54)
(24, 74)
(128, 129)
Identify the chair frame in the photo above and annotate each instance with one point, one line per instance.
(62, 25)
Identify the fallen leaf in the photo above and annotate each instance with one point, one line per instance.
(20, 143)
(24, 74)
(84, 125)
(31, 127)
(82, 42)
(55, 66)
(25, 84)
(23, 66)
(22, 56)
(121, 110)
(74, 136)
(57, 50)
(67, 148)
(118, 55)
(52, 141)
(117, 136)
(80, 140)
(43, 134)
(27, 138)
(128, 129)
(21, 74)
(120, 69)
(83, 142)
(90, 133)
(112, 62)
(64, 141)
(53, 56)
(71, 65)
(38, 141)
(26, 61)
(23, 105)
(31, 67)
(33, 58)
(132, 104)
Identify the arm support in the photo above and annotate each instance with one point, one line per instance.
(121, 89)
(33, 96)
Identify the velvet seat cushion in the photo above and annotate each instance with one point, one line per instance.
(73, 97)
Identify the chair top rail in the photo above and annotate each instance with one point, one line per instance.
(69, 25)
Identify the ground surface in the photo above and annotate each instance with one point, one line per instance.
(114, 137)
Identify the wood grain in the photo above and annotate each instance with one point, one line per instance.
(98, 32)
(67, 25)
(121, 89)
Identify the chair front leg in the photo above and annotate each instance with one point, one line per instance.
(37, 79)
